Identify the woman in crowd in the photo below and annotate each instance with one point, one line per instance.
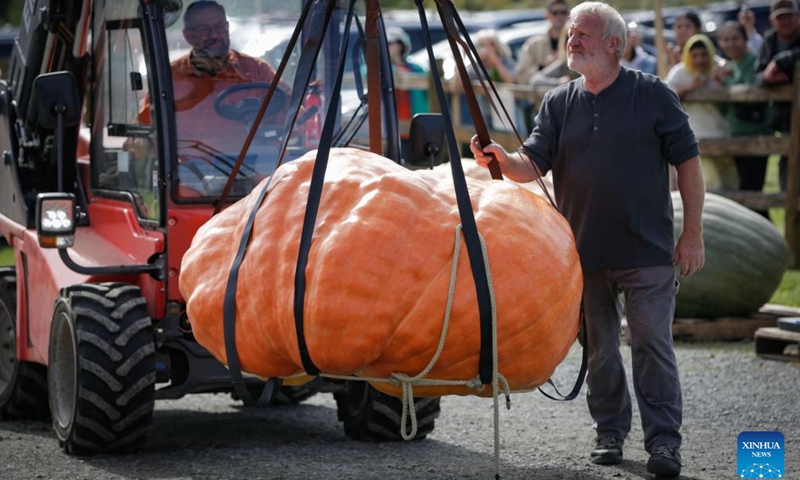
(499, 63)
(635, 57)
(695, 71)
(743, 118)
(495, 56)
(685, 25)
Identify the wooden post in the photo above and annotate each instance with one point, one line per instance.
(792, 225)
(662, 66)
(373, 77)
(433, 97)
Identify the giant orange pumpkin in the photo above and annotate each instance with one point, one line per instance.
(378, 275)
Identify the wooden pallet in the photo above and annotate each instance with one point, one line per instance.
(777, 344)
(725, 328)
(720, 329)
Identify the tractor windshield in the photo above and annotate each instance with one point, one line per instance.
(223, 57)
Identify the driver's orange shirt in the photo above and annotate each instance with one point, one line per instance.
(195, 92)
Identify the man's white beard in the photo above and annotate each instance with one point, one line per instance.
(586, 64)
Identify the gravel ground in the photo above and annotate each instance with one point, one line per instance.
(727, 390)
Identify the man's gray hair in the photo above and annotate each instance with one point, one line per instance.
(613, 23)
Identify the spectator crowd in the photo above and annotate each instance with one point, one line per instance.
(735, 54)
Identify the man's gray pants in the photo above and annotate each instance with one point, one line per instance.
(650, 307)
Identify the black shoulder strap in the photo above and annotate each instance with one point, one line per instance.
(451, 19)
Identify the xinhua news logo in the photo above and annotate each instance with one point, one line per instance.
(760, 455)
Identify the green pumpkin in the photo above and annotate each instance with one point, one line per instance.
(746, 258)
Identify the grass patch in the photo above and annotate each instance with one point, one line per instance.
(788, 292)
(777, 215)
(6, 256)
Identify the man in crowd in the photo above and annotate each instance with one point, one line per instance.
(609, 137)
(776, 62)
(541, 50)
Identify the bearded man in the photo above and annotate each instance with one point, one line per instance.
(609, 138)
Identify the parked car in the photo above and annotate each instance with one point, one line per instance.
(514, 37)
(409, 21)
(712, 16)
(502, 19)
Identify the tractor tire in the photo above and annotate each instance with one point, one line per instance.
(23, 385)
(372, 416)
(102, 368)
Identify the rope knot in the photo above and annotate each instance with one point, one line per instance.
(475, 384)
(399, 379)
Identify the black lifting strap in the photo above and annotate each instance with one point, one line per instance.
(469, 227)
(229, 302)
(451, 20)
(584, 336)
(314, 196)
(449, 15)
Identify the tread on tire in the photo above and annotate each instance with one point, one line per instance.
(102, 368)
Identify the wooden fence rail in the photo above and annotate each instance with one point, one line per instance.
(786, 144)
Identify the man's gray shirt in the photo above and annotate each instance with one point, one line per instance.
(609, 154)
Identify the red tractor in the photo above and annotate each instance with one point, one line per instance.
(104, 181)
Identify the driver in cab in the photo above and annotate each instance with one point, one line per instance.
(208, 70)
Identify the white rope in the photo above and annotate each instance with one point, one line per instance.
(407, 382)
(496, 377)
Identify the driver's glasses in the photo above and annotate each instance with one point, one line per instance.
(206, 30)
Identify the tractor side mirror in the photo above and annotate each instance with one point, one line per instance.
(171, 10)
(55, 220)
(58, 106)
(426, 137)
(57, 94)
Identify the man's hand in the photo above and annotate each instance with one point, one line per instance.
(483, 157)
(514, 166)
(690, 253)
(773, 74)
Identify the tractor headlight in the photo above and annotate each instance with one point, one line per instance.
(55, 219)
